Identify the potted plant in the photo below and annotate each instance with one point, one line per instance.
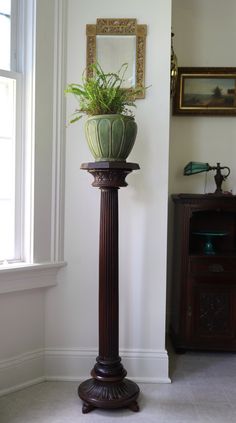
(110, 128)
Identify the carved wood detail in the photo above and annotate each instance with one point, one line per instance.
(98, 394)
(116, 26)
(214, 312)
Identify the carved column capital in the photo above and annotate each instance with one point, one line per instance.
(109, 174)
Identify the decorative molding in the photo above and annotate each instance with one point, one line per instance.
(22, 276)
(75, 364)
(21, 371)
(91, 31)
(140, 61)
(109, 174)
(58, 152)
(28, 128)
(109, 178)
(19, 359)
(116, 26)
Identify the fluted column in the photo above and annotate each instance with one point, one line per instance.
(108, 275)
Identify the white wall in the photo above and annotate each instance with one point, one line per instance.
(22, 338)
(207, 38)
(71, 308)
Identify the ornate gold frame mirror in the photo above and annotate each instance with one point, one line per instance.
(112, 42)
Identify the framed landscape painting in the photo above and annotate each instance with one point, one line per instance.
(205, 91)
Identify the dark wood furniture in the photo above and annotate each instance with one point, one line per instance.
(108, 388)
(203, 310)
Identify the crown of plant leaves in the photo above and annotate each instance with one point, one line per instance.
(103, 94)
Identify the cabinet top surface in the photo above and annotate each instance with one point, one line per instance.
(202, 197)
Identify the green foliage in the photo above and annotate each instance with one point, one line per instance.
(103, 94)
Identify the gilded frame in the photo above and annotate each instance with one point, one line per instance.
(119, 27)
(205, 91)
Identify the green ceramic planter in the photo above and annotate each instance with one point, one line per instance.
(110, 137)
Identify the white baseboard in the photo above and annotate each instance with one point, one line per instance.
(75, 364)
(21, 371)
(146, 366)
(15, 388)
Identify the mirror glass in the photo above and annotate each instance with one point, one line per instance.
(114, 50)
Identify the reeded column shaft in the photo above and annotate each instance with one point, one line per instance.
(108, 276)
(108, 366)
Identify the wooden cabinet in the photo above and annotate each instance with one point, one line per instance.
(203, 308)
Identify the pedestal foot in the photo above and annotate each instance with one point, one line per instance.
(134, 406)
(86, 408)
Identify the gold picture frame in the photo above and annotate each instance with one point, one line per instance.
(205, 91)
(119, 27)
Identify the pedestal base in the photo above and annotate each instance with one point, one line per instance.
(108, 395)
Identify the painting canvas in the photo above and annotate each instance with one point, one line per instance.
(206, 91)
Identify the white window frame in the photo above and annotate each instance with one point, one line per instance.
(17, 276)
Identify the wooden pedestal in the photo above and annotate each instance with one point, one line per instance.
(108, 388)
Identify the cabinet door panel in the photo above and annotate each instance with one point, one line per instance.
(213, 319)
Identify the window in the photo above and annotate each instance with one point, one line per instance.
(10, 134)
(32, 116)
(32, 148)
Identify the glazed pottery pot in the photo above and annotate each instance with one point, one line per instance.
(110, 137)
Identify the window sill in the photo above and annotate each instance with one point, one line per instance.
(22, 276)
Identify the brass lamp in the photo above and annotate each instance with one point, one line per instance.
(197, 167)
